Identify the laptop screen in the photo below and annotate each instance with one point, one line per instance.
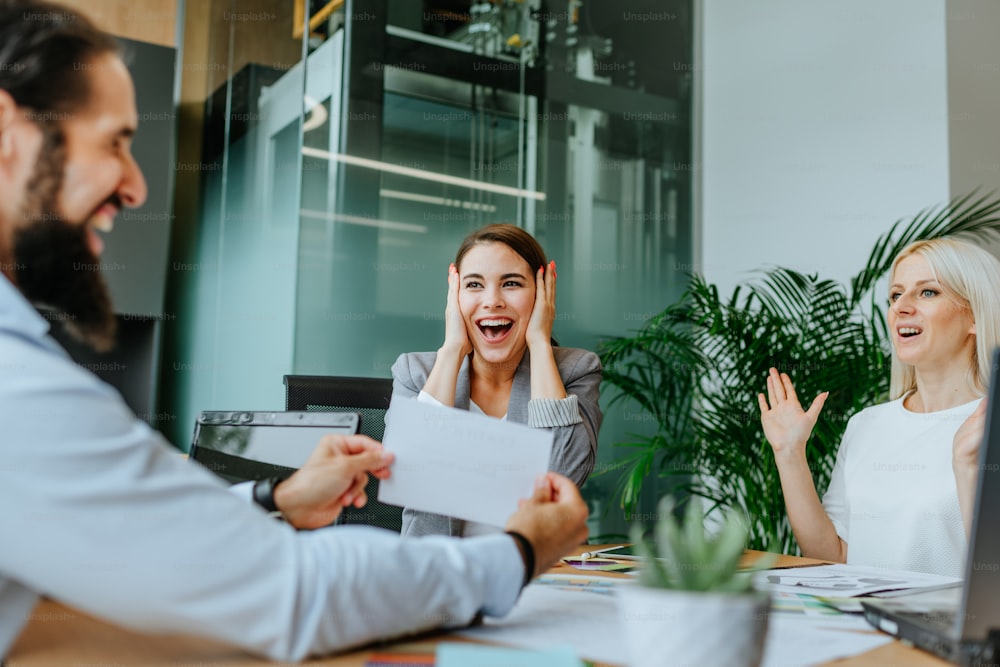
(982, 574)
(241, 446)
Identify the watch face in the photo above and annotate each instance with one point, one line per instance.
(263, 493)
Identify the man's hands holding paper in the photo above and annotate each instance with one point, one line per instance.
(554, 520)
(332, 478)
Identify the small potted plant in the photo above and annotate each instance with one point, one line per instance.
(693, 605)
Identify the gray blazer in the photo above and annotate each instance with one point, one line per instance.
(575, 427)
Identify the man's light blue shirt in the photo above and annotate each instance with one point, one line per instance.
(98, 511)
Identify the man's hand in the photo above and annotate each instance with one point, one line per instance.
(332, 478)
(554, 520)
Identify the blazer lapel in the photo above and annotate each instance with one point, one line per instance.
(520, 392)
(462, 386)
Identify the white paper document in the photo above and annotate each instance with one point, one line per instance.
(842, 580)
(460, 464)
(583, 612)
(809, 641)
(577, 610)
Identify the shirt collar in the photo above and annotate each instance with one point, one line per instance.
(17, 315)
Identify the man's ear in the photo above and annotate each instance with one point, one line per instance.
(9, 112)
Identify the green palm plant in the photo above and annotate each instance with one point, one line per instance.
(697, 367)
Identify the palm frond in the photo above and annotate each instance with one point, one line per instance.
(970, 215)
(696, 368)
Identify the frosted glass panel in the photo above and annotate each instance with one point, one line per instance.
(391, 300)
(337, 187)
(235, 283)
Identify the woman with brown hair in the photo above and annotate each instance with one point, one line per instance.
(498, 359)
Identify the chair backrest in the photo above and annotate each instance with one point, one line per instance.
(368, 396)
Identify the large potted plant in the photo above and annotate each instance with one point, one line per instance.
(693, 605)
(697, 366)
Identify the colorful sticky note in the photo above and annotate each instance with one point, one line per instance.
(391, 659)
(453, 654)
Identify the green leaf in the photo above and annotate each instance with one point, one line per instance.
(697, 366)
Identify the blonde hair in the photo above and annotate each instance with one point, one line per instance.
(970, 276)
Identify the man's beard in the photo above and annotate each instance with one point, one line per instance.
(54, 265)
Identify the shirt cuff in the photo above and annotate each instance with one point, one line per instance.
(243, 490)
(424, 397)
(552, 412)
(498, 553)
(840, 527)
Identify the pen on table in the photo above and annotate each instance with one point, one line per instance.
(587, 555)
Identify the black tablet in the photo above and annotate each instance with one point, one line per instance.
(249, 445)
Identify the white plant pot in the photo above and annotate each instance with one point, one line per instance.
(692, 629)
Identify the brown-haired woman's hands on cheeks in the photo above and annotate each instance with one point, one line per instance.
(543, 314)
(456, 336)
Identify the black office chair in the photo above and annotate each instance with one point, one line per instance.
(368, 396)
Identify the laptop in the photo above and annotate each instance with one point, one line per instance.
(240, 446)
(961, 625)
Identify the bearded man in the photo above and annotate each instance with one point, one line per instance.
(96, 509)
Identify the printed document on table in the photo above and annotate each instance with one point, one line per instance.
(460, 464)
(578, 610)
(584, 613)
(842, 580)
(811, 641)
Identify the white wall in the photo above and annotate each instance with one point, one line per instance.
(974, 94)
(821, 124)
(974, 98)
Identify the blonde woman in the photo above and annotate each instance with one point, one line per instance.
(903, 485)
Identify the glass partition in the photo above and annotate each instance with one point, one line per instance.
(237, 281)
(342, 180)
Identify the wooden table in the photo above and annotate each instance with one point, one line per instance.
(58, 635)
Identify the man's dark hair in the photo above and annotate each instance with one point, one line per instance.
(44, 51)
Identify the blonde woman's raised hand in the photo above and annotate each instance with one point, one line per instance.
(786, 425)
(543, 314)
(965, 461)
(456, 336)
(968, 439)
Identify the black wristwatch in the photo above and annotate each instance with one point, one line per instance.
(263, 493)
(527, 554)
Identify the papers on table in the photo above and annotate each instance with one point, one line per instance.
(576, 610)
(460, 464)
(811, 641)
(841, 580)
(582, 611)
